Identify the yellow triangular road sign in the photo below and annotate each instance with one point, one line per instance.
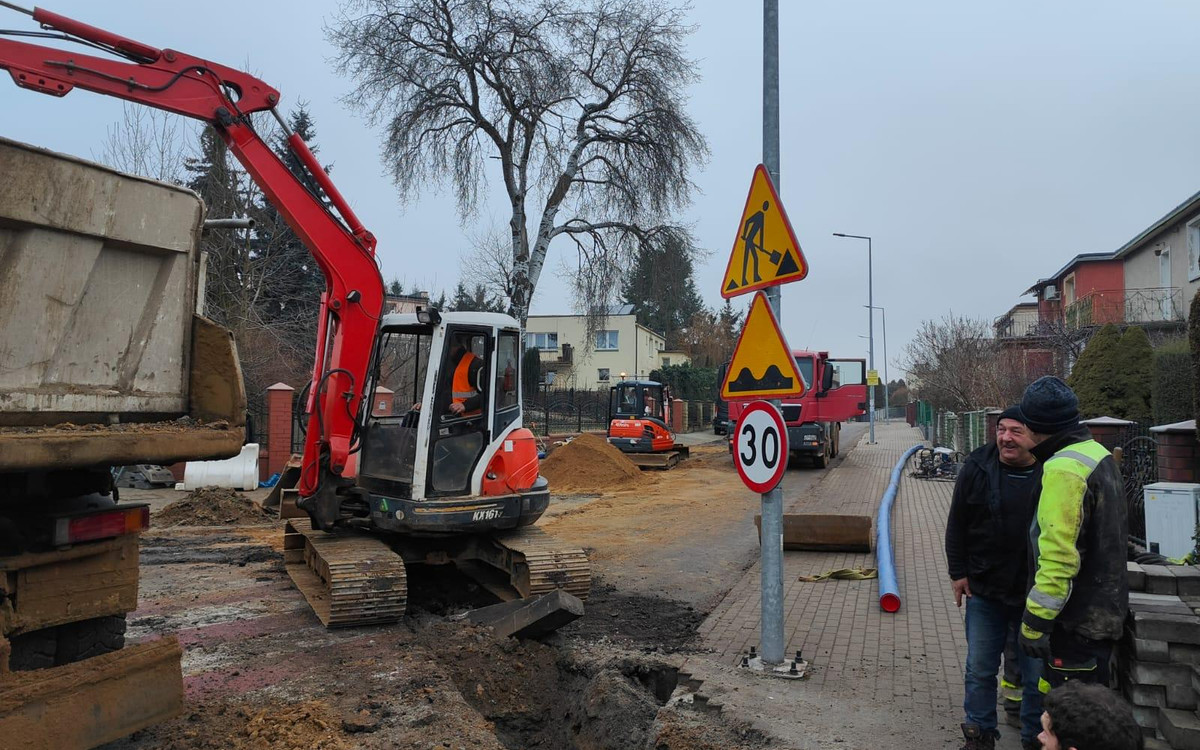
(766, 251)
(762, 365)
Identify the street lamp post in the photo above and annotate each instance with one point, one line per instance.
(871, 323)
(887, 396)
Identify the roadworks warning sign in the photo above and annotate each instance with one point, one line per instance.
(762, 364)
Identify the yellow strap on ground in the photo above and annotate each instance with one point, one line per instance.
(845, 574)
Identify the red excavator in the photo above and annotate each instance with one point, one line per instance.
(639, 424)
(456, 479)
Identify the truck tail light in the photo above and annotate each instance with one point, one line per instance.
(102, 525)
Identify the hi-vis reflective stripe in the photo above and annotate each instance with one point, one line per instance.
(1010, 690)
(1049, 602)
(1082, 458)
(1043, 686)
(464, 394)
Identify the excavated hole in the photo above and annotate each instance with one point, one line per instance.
(540, 696)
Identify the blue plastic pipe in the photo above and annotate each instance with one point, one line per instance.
(885, 558)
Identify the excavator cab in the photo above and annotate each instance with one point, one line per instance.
(457, 459)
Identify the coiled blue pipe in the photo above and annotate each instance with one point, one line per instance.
(885, 558)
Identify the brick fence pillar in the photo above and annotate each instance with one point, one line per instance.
(279, 429)
(384, 403)
(1178, 452)
(1107, 430)
(679, 416)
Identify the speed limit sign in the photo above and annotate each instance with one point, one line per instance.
(760, 447)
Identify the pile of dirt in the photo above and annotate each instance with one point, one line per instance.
(589, 464)
(212, 506)
(309, 725)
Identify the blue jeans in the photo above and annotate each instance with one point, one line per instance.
(988, 625)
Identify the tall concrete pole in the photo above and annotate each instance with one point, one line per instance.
(772, 502)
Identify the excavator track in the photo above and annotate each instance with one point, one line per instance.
(349, 578)
(541, 563)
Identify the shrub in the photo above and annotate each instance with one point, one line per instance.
(1172, 389)
(689, 382)
(1091, 378)
(1133, 375)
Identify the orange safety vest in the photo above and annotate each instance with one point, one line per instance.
(462, 386)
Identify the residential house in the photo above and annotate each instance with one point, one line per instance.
(1162, 268)
(405, 303)
(622, 349)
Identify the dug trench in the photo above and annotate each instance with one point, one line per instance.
(261, 672)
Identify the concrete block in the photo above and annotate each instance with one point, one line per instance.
(1181, 695)
(529, 618)
(1171, 628)
(1180, 728)
(1187, 580)
(1153, 696)
(1153, 743)
(1159, 580)
(1154, 651)
(1151, 673)
(1136, 577)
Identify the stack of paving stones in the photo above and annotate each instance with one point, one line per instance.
(1159, 658)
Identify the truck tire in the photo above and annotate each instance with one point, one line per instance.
(87, 638)
(821, 460)
(33, 650)
(837, 440)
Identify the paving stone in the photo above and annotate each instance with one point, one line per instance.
(1151, 673)
(1159, 580)
(1171, 628)
(1181, 695)
(1146, 717)
(1153, 696)
(1162, 603)
(1180, 728)
(1187, 580)
(1136, 577)
(1147, 650)
(1184, 653)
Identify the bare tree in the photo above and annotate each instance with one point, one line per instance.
(581, 103)
(147, 142)
(956, 365)
(490, 263)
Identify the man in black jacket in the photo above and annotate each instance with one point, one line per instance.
(987, 550)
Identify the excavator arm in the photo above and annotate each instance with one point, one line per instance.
(344, 250)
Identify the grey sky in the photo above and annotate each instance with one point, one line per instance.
(981, 145)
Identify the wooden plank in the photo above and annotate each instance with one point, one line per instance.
(824, 532)
(93, 701)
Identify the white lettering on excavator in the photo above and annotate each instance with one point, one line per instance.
(491, 514)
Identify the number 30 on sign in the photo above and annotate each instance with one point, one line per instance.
(760, 446)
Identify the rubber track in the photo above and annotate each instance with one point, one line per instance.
(349, 578)
(551, 564)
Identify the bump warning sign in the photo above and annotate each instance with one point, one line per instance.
(762, 365)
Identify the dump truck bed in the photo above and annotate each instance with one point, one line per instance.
(103, 357)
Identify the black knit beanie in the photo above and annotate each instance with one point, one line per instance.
(1049, 406)
(1013, 412)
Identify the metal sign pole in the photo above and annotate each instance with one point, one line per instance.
(772, 502)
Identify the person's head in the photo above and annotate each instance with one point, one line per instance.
(460, 342)
(1082, 716)
(1013, 438)
(1048, 407)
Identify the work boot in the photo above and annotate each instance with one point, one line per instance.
(1012, 713)
(977, 739)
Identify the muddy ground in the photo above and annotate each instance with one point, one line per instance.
(261, 672)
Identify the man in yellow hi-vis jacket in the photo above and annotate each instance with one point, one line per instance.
(1077, 605)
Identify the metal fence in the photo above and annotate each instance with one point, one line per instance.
(1139, 467)
(962, 432)
(257, 421)
(566, 411)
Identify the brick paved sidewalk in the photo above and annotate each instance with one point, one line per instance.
(872, 671)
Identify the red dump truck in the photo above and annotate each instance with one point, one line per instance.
(836, 392)
(104, 362)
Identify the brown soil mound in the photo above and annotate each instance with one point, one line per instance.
(588, 464)
(211, 506)
(311, 725)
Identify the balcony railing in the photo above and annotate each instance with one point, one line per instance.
(1156, 305)
(1009, 326)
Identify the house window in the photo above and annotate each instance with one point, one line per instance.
(606, 341)
(547, 342)
(1193, 237)
(666, 361)
(602, 373)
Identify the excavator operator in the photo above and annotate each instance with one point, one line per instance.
(467, 386)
